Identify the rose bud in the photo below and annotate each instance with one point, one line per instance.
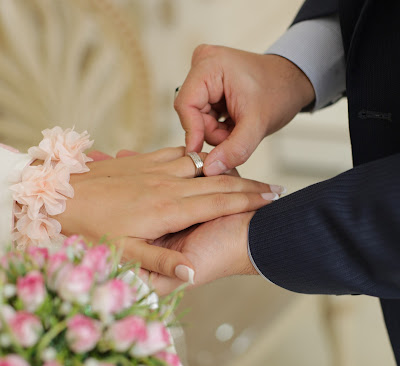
(9, 290)
(6, 313)
(157, 340)
(112, 297)
(13, 360)
(171, 359)
(98, 259)
(83, 333)
(74, 283)
(31, 290)
(49, 354)
(38, 255)
(26, 328)
(13, 258)
(75, 245)
(56, 261)
(123, 333)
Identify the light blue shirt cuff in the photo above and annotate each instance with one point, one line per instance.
(315, 46)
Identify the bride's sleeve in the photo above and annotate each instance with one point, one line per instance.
(11, 165)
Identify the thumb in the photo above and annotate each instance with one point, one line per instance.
(233, 151)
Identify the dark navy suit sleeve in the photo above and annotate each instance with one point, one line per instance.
(316, 8)
(340, 236)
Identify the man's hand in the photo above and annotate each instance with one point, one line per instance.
(216, 249)
(257, 94)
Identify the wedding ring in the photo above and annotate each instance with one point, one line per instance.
(177, 91)
(198, 163)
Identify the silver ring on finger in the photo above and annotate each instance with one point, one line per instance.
(198, 163)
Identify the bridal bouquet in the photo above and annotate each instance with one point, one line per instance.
(79, 306)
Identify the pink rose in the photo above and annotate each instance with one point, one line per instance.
(75, 245)
(98, 259)
(74, 240)
(26, 328)
(157, 340)
(6, 314)
(83, 333)
(31, 290)
(65, 146)
(123, 333)
(38, 255)
(171, 359)
(13, 258)
(54, 264)
(112, 297)
(74, 283)
(13, 360)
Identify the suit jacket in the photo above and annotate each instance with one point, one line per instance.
(342, 236)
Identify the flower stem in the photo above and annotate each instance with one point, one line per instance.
(49, 336)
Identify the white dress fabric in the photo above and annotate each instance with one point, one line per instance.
(11, 166)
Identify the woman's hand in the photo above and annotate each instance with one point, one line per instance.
(146, 196)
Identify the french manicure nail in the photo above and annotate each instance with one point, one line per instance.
(277, 189)
(270, 196)
(185, 274)
(216, 168)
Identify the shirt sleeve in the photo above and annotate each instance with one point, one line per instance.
(315, 46)
(11, 165)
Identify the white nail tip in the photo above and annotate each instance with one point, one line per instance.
(270, 196)
(277, 189)
(191, 275)
(185, 273)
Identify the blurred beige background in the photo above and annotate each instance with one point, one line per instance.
(111, 66)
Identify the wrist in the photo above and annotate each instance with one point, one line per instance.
(43, 188)
(245, 267)
(294, 80)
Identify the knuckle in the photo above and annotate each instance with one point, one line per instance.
(178, 105)
(160, 262)
(240, 154)
(167, 206)
(225, 182)
(160, 182)
(221, 202)
(202, 51)
(244, 201)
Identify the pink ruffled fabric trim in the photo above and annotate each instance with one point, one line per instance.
(66, 147)
(44, 189)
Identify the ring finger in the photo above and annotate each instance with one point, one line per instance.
(182, 168)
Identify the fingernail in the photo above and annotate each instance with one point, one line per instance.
(270, 196)
(216, 168)
(277, 189)
(185, 274)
